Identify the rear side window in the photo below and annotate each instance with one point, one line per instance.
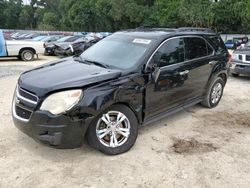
(217, 44)
(195, 48)
(170, 53)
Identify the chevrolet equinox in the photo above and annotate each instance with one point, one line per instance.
(126, 80)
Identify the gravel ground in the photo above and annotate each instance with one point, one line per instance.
(197, 147)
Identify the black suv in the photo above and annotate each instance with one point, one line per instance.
(128, 79)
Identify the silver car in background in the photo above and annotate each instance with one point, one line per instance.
(240, 63)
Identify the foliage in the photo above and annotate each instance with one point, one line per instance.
(110, 15)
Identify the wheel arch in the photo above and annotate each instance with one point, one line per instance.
(139, 119)
(98, 99)
(27, 48)
(223, 76)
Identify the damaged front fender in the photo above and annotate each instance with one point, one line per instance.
(127, 90)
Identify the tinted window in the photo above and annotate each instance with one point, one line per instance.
(217, 44)
(195, 48)
(170, 53)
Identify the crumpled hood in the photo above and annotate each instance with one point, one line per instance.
(64, 45)
(64, 74)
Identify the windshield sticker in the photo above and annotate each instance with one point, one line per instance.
(142, 41)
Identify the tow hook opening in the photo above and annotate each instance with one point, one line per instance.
(53, 139)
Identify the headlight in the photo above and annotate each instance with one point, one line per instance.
(62, 101)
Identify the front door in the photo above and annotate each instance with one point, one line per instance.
(166, 86)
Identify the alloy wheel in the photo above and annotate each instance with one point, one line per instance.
(113, 129)
(216, 93)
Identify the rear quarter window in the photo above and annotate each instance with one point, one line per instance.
(217, 44)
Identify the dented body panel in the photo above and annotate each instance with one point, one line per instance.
(148, 94)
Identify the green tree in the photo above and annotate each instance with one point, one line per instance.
(82, 16)
(11, 13)
(50, 21)
(2, 17)
(166, 13)
(26, 18)
(194, 12)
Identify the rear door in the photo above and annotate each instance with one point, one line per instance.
(182, 69)
(2, 45)
(198, 64)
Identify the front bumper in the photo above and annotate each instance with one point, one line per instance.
(60, 131)
(239, 67)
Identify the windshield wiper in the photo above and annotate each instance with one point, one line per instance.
(97, 63)
(79, 59)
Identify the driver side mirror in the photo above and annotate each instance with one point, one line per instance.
(153, 64)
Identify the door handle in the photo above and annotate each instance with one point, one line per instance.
(184, 72)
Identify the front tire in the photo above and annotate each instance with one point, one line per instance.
(27, 55)
(114, 131)
(214, 93)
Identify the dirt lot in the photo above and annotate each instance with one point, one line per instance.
(197, 147)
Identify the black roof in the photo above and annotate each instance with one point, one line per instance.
(181, 29)
(150, 32)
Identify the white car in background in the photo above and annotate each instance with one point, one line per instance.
(240, 63)
(25, 50)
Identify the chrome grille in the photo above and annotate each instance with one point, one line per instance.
(26, 96)
(248, 58)
(19, 108)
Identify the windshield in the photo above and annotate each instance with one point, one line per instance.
(122, 52)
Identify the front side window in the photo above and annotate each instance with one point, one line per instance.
(195, 48)
(170, 53)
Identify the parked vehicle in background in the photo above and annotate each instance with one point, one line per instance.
(39, 38)
(50, 47)
(30, 36)
(52, 38)
(241, 40)
(105, 34)
(240, 63)
(80, 47)
(126, 80)
(231, 44)
(75, 48)
(7, 35)
(25, 50)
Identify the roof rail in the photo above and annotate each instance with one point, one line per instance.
(151, 28)
(208, 30)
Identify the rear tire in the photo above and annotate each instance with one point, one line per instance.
(27, 55)
(214, 93)
(111, 136)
